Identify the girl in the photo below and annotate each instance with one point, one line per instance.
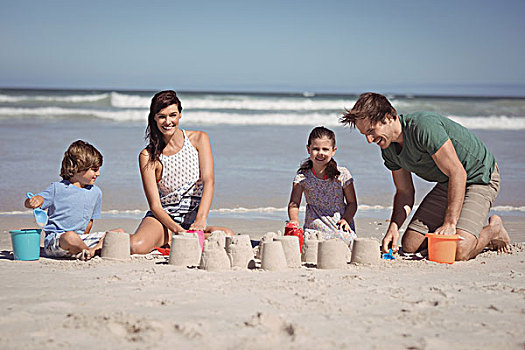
(177, 175)
(329, 191)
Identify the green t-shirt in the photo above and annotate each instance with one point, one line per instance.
(423, 134)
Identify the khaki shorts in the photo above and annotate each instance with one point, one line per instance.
(476, 206)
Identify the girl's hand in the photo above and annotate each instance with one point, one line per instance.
(344, 225)
(34, 202)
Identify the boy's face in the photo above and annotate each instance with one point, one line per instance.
(85, 178)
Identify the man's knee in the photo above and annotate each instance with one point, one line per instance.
(412, 241)
(465, 246)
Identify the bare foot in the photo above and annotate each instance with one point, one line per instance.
(84, 255)
(501, 240)
(94, 251)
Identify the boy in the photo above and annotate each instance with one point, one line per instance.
(72, 205)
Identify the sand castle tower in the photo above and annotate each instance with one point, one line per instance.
(115, 246)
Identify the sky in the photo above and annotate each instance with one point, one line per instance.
(420, 47)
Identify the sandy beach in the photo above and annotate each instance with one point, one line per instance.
(145, 303)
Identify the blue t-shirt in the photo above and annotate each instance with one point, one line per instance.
(70, 208)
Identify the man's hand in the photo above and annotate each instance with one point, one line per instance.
(391, 237)
(446, 229)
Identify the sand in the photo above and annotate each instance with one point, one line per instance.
(145, 303)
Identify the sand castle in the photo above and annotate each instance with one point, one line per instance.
(276, 252)
(219, 236)
(115, 246)
(366, 251)
(273, 258)
(291, 250)
(185, 251)
(240, 252)
(267, 237)
(309, 255)
(214, 256)
(332, 254)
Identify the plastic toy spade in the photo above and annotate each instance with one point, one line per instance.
(40, 215)
(389, 255)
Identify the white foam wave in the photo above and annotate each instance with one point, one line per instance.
(129, 101)
(491, 123)
(66, 98)
(251, 210)
(507, 208)
(214, 118)
(262, 210)
(50, 112)
(129, 211)
(362, 207)
(328, 119)
(233, 102)
(280, 104)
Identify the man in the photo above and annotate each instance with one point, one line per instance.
(438, 150)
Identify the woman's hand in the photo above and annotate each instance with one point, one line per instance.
(198, 225)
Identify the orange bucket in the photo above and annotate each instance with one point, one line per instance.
(442, 248)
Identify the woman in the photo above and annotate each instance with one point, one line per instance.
(177, 175)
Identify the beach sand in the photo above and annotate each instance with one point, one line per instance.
(145, 303)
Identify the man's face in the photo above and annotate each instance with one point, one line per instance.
(383, 134)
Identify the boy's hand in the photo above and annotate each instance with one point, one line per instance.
(34, 202)
(343, 225)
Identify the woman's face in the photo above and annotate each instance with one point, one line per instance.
(167, 119)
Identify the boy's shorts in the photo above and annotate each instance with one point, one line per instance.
(476, 206)
(53, 249)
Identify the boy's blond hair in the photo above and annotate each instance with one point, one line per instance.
(80, 156)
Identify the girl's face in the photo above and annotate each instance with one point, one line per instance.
(167, 120)
(321, 151)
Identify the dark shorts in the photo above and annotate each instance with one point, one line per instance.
(184, 220)
(476, 206)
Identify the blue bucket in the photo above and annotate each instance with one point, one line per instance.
(26, 244)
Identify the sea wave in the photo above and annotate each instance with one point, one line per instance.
(253, 103)
(192, 117)
(54, 98)
(236, 102)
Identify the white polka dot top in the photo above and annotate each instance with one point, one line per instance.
(180, 187)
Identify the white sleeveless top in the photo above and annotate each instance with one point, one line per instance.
(180, 187)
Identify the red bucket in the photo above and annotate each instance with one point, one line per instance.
(291, 229)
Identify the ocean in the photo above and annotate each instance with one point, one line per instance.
(258, 142)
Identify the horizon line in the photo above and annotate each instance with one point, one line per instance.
(304, 93)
